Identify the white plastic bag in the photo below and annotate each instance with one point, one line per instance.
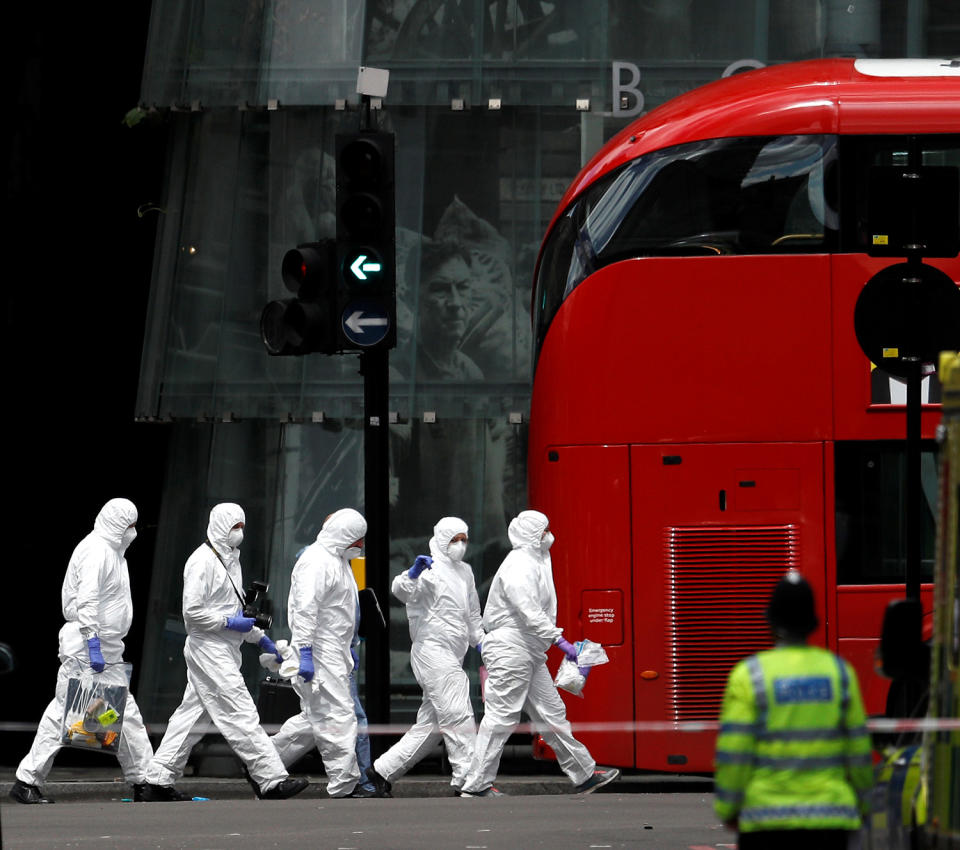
(568, 677)
(93, 714)
(590, 654)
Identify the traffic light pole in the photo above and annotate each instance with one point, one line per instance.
(376, 480)
(914, 485)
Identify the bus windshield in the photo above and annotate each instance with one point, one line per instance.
(754, 195)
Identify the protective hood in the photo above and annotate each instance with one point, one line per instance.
(526, 529)
(444, 531)
(223, 518)
(115, 517)
(341, 529)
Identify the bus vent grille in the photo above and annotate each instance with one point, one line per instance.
(719, 581)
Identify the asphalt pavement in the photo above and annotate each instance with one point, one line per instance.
(655, 811)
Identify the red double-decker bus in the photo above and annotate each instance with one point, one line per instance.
(703, 417)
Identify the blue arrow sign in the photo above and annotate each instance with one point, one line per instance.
(365, 323)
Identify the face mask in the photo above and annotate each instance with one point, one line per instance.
(456, 551)
(235, 537)
(353, 552)
(546, 542)
(128, 537)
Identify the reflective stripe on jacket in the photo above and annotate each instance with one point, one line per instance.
(793, 750)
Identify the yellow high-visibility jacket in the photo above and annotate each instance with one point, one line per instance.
(793, 750)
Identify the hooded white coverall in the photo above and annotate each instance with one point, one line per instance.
(444, 614)
(322, 614)
(520, 619)
(96, 602)
(216, 691)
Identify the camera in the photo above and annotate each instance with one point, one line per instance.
(257, 605)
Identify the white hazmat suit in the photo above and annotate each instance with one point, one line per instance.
(520, 619)
(322, 615)
(96, 603)
(216, 691)
(444, 615)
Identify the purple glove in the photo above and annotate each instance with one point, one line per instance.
(96, 656)
(423, 562)
(355, 657)
(268, 645)
(584, 671)
(567, 648)
(306, 663)
(240, 623)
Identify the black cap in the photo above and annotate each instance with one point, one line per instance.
(791, 607)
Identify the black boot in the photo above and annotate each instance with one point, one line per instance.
(161, 794)
(290, 787)
(24, 793)
(383, 787)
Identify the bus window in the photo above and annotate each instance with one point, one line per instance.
(870, 487)
(867, 151)
(755, 195)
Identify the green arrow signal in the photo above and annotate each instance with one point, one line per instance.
(360, 267)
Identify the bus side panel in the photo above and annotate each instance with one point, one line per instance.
(585, 492)
(714, 527)
(689, 349)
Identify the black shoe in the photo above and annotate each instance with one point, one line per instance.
(383, 787)
(24, 793)
(161, 794)
(290, 787)
(601, 777)
(363, 793)
(138, 792)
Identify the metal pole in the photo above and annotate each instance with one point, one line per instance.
(914, 494)
(374, 367)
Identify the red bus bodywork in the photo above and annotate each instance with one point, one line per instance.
(684, 416)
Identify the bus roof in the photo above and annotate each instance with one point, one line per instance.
(816, 96)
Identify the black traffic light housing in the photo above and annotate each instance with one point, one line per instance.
(306, 323)
(366, 242)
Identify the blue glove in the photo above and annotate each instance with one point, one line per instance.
(480, 648)
(306, 663)
(240, 623)
(423, 562)
(268, 645)
(96, 656)
(355, 657)
(584, 671)
(567, 648)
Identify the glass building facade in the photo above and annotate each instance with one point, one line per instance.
(495, 106)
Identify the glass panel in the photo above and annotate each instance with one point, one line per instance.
(870, 513)
(720, 196)
(531, 52)
(246, 187)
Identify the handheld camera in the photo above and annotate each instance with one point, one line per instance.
(257, 605)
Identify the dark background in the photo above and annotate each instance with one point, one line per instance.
(77, 262)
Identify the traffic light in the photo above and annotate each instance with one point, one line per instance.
(306, 323)
(366, 250)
